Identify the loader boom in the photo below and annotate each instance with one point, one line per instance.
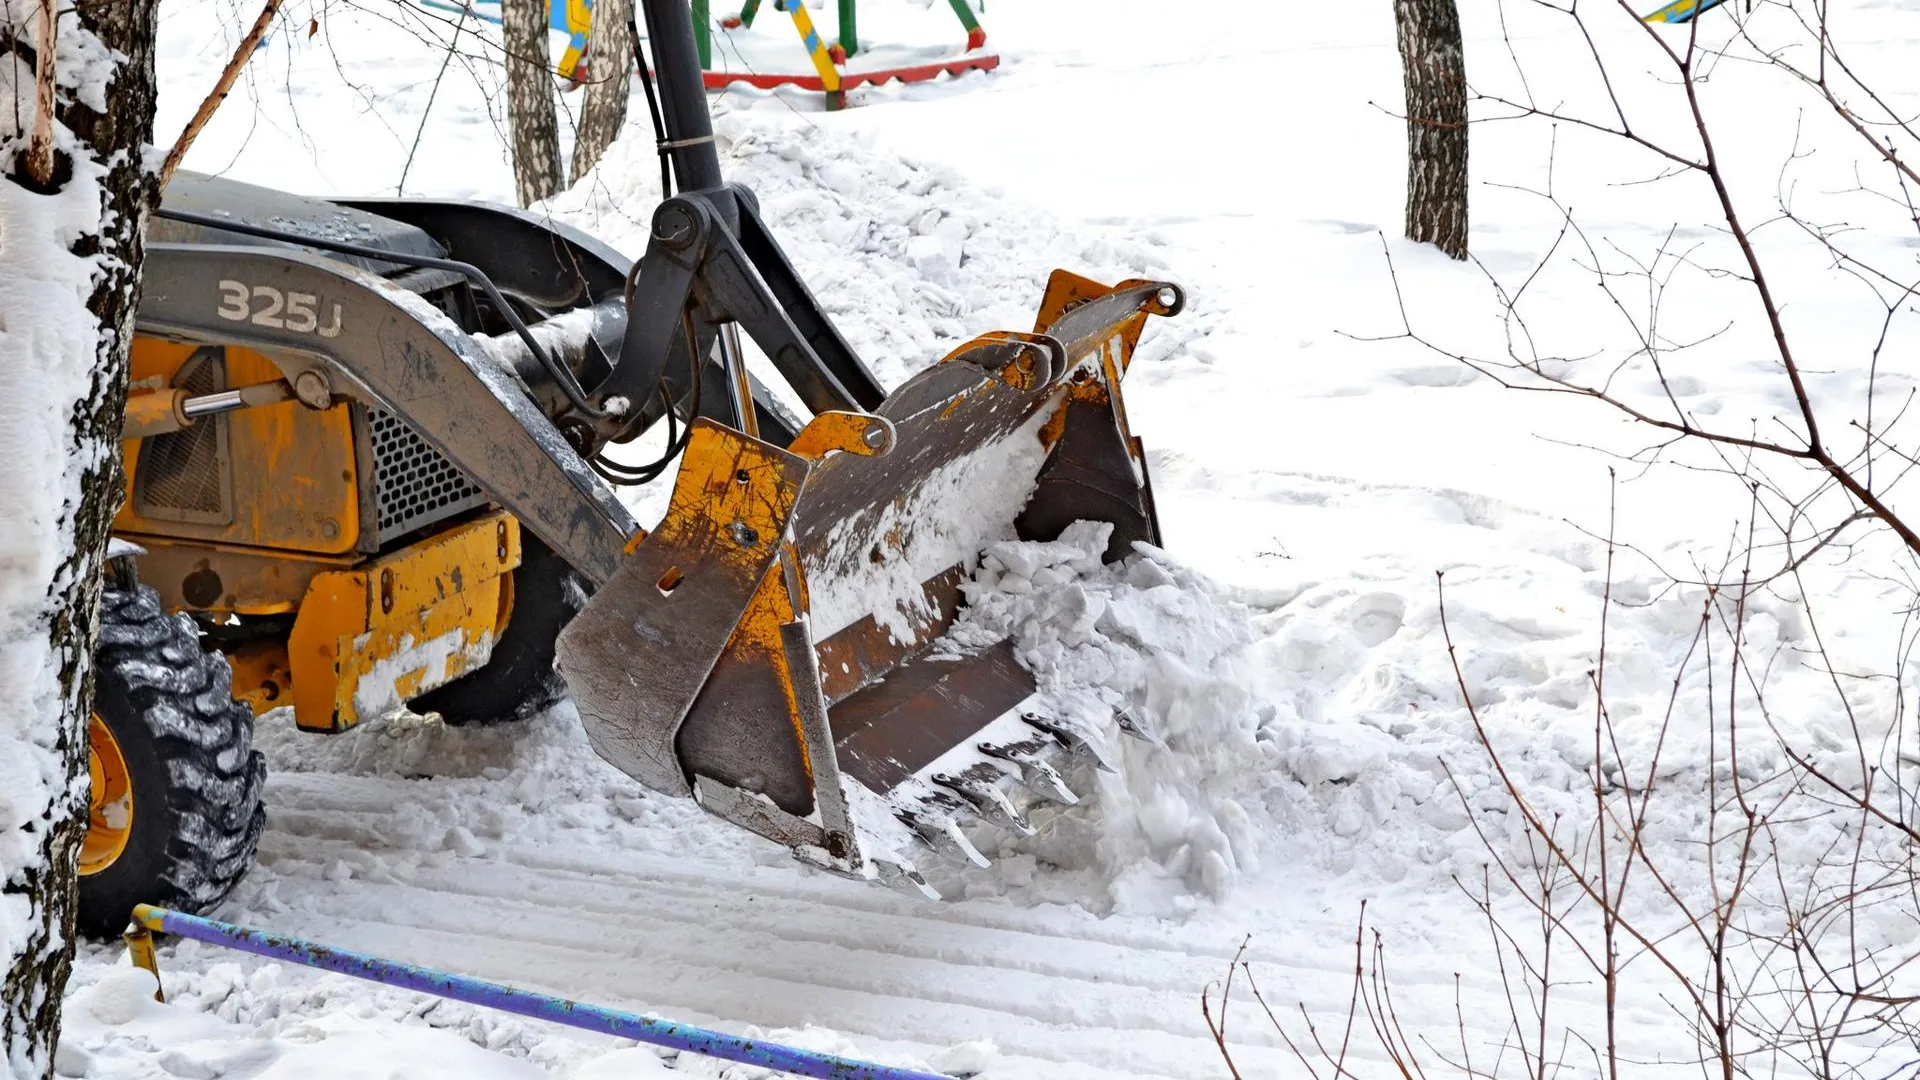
(378, 343)
(776, 648)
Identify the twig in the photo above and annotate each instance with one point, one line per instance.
(452, 44)
(39, 162)
(1226, 994)
(241, 54)
(1530, 816)
(1603, 726)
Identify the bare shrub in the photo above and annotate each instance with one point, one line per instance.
(1762, 893)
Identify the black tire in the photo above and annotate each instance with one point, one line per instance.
(519, 680)
(195, 777)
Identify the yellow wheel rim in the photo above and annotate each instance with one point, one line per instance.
(506, 606)
(110, 817)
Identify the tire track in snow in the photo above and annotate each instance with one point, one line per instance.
(970, 934)
(724, 927)
(901, 926)
(1064, 993)
(642, 977)
(357, 812)
(510, 889)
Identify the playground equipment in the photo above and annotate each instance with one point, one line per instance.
(1681, 11)
(838, 66)
(573, 18)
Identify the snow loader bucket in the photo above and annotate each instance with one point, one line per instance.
(770, 649)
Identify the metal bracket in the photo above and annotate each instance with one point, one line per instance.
(139, 939)
(710, 256)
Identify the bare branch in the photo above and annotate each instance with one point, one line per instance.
(39, 162)
(221, 88)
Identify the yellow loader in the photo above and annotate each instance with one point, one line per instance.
(370, 460)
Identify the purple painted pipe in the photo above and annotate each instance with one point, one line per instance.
(493, 995)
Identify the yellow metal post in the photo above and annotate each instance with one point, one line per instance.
(139, 941)
(817, 52)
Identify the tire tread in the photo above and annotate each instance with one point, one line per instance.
(179, 697)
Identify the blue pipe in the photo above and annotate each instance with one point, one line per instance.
(493, 995)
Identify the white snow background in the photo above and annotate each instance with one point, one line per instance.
(1284, 652)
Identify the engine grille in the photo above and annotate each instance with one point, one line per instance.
(414, 484)
(183, 476)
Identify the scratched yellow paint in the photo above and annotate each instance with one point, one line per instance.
(353, 620)
(296, 522)
(295, 480)
(261, 679)
(713, 501)
(816, 47)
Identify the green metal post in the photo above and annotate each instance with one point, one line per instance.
(965, 11)
(703, 34)
(748, 11)
(849, 29)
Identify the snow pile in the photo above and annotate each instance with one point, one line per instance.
(1157, 643)
(1320, 721)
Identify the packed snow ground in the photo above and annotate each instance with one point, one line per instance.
(1284, 652)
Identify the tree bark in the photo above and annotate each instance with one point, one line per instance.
(1434, 63)
(530, 103)
(66, 378)
(609, 62)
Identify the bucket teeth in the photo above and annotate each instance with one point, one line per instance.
(1130, 726)
(1069, 736)
(1030, 755)
(936, 821)
(905, 879)
(980, 785)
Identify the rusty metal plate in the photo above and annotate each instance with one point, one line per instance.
(893, 729)
(724, 688)
(744, 730)
(643, 648)
(866, 651)
(1095, 473)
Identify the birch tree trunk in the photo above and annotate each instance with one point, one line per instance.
(72, 250)
(609, 62)
(530, 105)
(1434, 64)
